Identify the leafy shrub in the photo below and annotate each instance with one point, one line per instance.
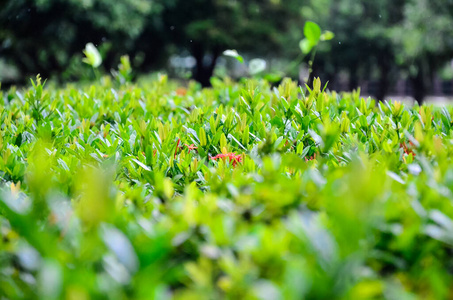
(239, 191)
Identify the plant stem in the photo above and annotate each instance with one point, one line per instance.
(310, 63)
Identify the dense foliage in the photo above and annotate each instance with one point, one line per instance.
(155, 191)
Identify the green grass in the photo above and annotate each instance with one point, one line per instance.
(241, 191)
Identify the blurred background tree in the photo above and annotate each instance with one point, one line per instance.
(423, 41)
(377, 45)
(387, 39)
(43, 36)
(363, 46)
(206, 28)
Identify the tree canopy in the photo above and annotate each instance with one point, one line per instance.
(381, 39)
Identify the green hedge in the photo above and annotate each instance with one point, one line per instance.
(240, 191)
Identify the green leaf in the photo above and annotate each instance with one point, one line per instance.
(141, 164)
(305, 46)
(233, 53)
(202, 136)
(395, 177)
(327, 35)
(92, 56)
(273, 77)
(312, 32)
(304, 151)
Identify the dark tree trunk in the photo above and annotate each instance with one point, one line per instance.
(332, 77)
(418, 86)
(383, 87)
(312, 75)
(353, 78)
(203, 71)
